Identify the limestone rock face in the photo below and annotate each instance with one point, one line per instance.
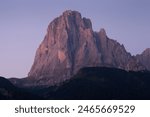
(144, 58)
(71, 44)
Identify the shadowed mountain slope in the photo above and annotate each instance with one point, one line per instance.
(103, 83)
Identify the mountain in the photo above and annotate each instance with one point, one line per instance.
(144, 58)
(75, 62)
(71, 44)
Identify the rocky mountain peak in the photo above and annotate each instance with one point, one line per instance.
(75, 16)
(102, 34)
(146, 51)
(71, 44)
(144, 58)
(71, 13)
(102, 31)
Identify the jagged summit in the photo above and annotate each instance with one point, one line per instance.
(102, 34)
(73, 13)
(102, 31)
(146, 51)
(71, 44)
(144, 58)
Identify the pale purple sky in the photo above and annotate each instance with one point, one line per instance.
(23, 24)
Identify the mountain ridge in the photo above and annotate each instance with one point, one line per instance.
(76, 62)
(144, 58)
(71, 44)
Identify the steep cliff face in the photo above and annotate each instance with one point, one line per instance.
(71, 43)
(144, 58)
(68, 45)
(114, 54)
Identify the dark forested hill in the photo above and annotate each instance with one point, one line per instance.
(106, 83)
(10, 92)
(88, 83)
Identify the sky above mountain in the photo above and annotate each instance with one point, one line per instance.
(23, 24)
